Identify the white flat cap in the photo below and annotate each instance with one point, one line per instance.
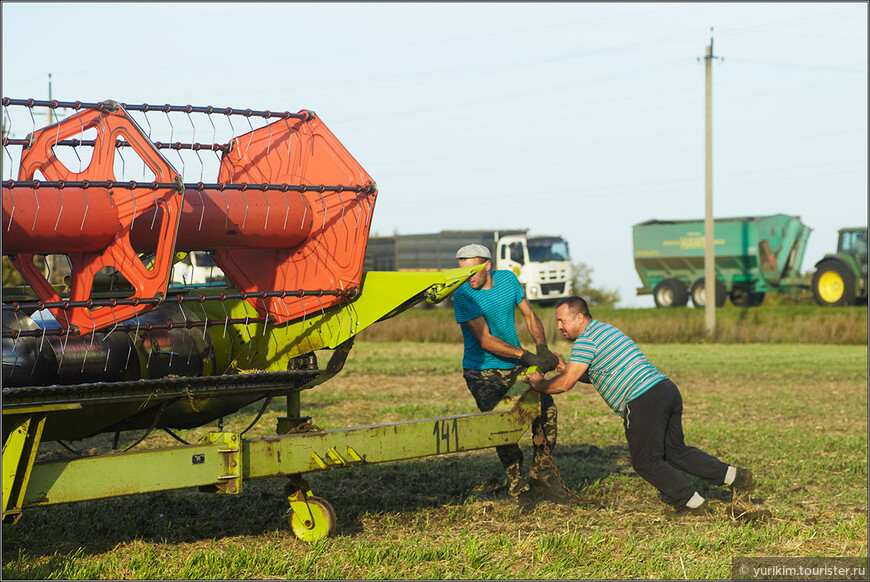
(473, 252)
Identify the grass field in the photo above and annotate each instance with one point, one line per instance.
(734, 325)
(794, 413)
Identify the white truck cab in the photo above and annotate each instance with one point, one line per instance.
(541, 263)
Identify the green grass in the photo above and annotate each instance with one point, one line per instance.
(795, 414)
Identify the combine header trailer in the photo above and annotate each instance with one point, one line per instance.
(97, 339)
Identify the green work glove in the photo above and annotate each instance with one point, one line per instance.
(548, 360)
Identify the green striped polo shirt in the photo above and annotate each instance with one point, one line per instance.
(617, 368)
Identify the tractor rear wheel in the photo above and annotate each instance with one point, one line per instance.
(834, 284)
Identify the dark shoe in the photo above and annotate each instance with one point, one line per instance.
(683, 510)
(526, 500)
(550, 488)
(743, 484)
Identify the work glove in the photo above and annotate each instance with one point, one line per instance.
(548, 360)
(530, 359)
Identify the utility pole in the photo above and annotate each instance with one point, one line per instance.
(709, 239)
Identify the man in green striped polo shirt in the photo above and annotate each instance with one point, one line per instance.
(648, 402)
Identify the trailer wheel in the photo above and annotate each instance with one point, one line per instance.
(741, 296)
(670, 293)
(744, 297)
(319, 524)
(834, 284)
(699, 295)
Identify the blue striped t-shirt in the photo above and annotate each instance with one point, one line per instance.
(617, 368)
(496, 305)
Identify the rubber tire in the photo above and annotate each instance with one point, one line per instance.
(698, 289)
(833, 272)
(756, 299)
(741, 296)
(670, 293)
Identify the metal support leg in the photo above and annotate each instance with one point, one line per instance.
(19, 452)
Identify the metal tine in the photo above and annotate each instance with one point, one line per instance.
(269, 145)
(110, 332)
(47, 267)
(81, 138)
(287, 314)
(9, 132)
(171, 348)
(108, 352)
(266, 309)
(192, 347)
(33, 127)
(63, 347)
(245, 198)
(94, 327)
(227, 213)
(304, 210)
(320, 325)
(130, 345)
(341, 201)
(189, 336)
(248, 332)
(87, 350)
(358, 212)
(36, 197)
(232, 128)
(268, 209)
(87, 207)
(12, 212)
(226, 318)
(201, 201)
(39, 351)
(156, 204)
(289, 136)
(250, 135)
(15, 340)
(287, 211)
(150, 351)
(205, 319)
(135, 209)
(144, 165)
(325, 208)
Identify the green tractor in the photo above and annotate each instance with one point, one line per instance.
(841, 278)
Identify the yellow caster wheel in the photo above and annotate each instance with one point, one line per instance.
(315, 522)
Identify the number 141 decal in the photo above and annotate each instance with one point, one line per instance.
(446, 431)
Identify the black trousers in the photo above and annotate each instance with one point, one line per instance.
(654, 431)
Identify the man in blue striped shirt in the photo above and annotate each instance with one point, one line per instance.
(494, 360)
(648, 402)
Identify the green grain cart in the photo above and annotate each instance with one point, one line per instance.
(754, 255)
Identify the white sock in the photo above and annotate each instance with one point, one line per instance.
(730, 475)
(695, 501)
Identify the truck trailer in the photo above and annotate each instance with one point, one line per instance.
(542, 263)
(754, 255)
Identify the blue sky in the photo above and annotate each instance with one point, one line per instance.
(577, 119)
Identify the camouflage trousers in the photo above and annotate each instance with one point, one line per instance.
(488, 388)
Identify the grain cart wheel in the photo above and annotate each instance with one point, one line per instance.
(670, 293)
(699, 295)
(315, 522)
(745, 297)
(834, 284)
